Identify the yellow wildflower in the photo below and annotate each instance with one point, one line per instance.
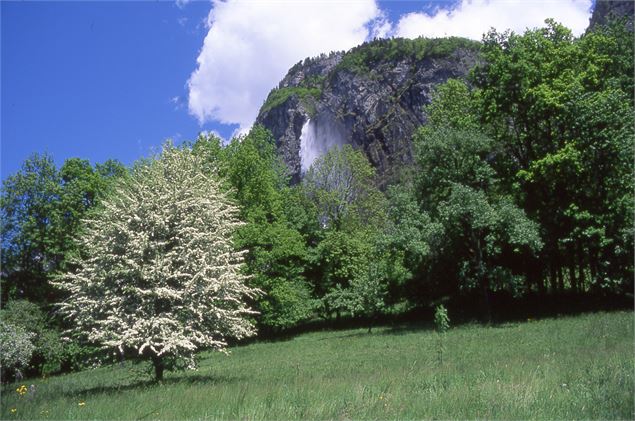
(22, 390)
(13, 410)
(82, 403)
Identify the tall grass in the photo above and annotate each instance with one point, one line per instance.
(567, 368)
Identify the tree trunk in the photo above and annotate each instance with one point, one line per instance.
(486, 303)
(482, 273)
(540, 281)
(593, 267)
(581, 265)
(553, 278)
(572, 278)
(157, 361)
(535, 276)
(560, 278)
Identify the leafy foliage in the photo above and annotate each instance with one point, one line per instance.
(560, 110)
(276, 254)
(363, 58)
(41, 208)
(29, 246)
(279, 96)
(409, 242)
(341, 184)
(48, 347)
(158, 276)
(352, 276)
(441, 319)
(479, 232)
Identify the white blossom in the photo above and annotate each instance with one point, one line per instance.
(16, 347)
(158, 273)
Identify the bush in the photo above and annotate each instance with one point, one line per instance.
(45, 339)
(17, 347)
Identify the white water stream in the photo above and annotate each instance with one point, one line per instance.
(316, 139)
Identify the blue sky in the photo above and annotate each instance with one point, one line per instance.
(100, 80)
(96, 80)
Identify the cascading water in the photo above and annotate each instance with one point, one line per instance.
(316, 138)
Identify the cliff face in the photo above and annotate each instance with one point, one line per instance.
(371, 97)
(605, 10)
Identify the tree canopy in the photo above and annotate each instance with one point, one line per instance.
(158, 276)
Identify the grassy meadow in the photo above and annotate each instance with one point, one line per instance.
(566, 368)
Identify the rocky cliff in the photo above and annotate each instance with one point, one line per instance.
(371, 97)
(606, 10)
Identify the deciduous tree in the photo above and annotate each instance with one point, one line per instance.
(158, 276)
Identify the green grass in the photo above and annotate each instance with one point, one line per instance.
(567, 368)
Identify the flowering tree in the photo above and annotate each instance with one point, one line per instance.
(157, 276)
(16, 348)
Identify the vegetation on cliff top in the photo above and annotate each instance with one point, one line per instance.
(279, 96)
(364, 58)
(361, 60)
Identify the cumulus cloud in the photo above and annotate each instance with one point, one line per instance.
(251, 45)
(214, 133)
(472, 18)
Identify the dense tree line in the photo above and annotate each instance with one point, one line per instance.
(522, 184)
(41, 209)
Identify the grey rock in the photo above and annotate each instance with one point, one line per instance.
(379, 108)
(607, 10)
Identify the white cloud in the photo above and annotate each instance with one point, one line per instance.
(181, 3)
(177, 101)
(251, 45)
(214, 133)
(472, 18)
(380, 26)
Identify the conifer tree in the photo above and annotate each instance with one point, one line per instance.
(157, 276)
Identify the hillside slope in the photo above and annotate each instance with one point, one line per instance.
(566, 368)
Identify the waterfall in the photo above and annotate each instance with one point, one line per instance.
(316, 138)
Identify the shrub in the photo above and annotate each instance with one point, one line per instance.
(16, 348)
(45, 338)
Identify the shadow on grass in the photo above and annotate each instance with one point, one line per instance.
(349, 335)
(506, 311)
(407, 328)
(136, 385)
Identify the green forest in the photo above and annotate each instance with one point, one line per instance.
(519, 203)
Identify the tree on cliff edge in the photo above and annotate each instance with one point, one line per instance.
(157, 276)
